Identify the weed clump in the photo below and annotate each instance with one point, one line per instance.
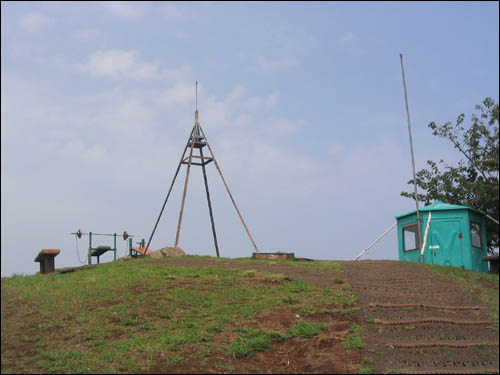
(353, 341)
(306, 329)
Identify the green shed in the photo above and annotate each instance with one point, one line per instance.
(456, 236)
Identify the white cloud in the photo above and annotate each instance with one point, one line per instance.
(277, 64)
(181, 93)
(76, 150)
(171, 12)
(280, 126)
(124, 9)
(96, 153)
(128, 119)
(214, 112)
(88, 34)
(347, 38)
(118, 64)
(33, 22)
(184, 73)
(336, 148)
(253, 103)
(236, 93)
(272, 99)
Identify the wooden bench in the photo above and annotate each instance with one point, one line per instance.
(46, 259)
(142, 250)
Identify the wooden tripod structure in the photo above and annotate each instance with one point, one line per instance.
(198, 140)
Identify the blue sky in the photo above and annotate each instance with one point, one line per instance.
(301, 102)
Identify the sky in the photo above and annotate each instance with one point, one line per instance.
(301, 102)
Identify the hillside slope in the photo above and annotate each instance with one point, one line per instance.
(200, 314)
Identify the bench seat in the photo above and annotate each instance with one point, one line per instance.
(46, 259)
(47, 253)
(142, 250)
(99, 250)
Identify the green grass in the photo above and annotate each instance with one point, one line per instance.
(122, 316)
(484, 285)
(366, 370)
(338, 280)
(306, 329)
(250, 341)
(353, 340)
(368, 360)
(314, 265)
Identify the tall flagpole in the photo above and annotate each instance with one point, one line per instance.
(411, 150)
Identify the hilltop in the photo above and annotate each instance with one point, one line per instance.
(194, 314)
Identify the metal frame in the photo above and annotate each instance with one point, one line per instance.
(93, 251)
(197, 139)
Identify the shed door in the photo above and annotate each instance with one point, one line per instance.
(446, 243)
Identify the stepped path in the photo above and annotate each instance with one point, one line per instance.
(417, 321)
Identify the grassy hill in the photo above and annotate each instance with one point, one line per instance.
(190, 315)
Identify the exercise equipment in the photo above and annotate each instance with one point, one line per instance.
(99, 250)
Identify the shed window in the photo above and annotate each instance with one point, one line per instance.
(411, 239)
(475, 235)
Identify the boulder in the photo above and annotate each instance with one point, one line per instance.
(167, 252)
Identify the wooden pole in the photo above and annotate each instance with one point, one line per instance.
(229, 192)
(185, 189)
(169, 190)
(209, 204)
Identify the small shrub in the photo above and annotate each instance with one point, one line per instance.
(259, 344)
(306, 329)
(249, 273)
(239, 349)
(289, 300)
(164, 315)
(274, 277)
(276, 336)
(353, 341)
(298, 286)
(366, 370)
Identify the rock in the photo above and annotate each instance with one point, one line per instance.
(167, 252)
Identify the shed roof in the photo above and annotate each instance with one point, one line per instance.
(440, 206)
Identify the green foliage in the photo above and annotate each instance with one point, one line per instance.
(306, 329)
(250, 341)
(368, 360)
(474, 181)
(337, 280)
(353, 341)
(366, 370)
